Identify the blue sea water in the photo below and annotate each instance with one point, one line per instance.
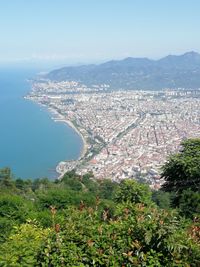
(31, 143)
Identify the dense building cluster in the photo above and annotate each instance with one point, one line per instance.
(126, 133)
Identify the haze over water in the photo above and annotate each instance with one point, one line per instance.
(31, 143)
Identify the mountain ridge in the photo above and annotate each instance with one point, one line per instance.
(172, 71)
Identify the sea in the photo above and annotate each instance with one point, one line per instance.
(31, 143)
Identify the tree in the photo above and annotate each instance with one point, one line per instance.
(6, 178)
(182, 170)
(107, 188)
(134, 192)
(162, 199)
(72, 180)
(189, 203)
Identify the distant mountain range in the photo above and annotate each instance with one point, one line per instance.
(137, 73)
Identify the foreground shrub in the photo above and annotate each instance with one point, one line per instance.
(135, 235)
(23, 245)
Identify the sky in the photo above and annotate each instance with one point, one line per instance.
(57, 32)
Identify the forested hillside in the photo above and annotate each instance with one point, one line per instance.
(81, 221)
(137, 73)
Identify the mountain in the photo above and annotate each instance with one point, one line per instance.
(137, 73)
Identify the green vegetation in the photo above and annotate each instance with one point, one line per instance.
(182, 176)
(182, 171)
(80, 221)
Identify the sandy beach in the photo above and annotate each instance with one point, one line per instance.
(84, 149)
(60, 118)
(61, 167)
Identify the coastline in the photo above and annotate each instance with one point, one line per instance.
(70, 124)
(62, 167)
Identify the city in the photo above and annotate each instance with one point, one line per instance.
(125, 133)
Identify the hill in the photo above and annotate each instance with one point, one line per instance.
(137, 73)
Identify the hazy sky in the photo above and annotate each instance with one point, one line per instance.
(73, 31)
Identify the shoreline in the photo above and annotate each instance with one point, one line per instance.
(71, 125)
(60, 118)
(57, 117)
(63, 166)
